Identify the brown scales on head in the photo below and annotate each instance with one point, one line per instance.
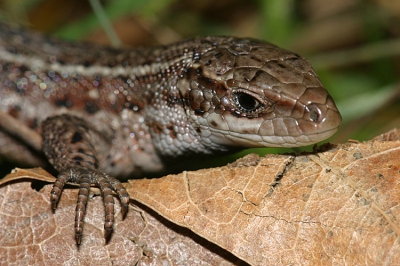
(263, 96)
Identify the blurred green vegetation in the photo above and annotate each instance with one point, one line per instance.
(353, 45)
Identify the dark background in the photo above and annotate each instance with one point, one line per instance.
(353, 45)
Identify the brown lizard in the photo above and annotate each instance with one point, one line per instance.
(96, 113)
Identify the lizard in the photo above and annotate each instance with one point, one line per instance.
(99, 115)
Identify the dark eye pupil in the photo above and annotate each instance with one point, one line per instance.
(247, 102)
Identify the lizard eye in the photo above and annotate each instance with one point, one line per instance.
(245, 102)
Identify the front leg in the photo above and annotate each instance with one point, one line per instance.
(71, 146)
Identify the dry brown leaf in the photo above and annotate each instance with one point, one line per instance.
(32, 173)
(32, 235)
(340, 206)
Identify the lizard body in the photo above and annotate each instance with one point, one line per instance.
(95, 113)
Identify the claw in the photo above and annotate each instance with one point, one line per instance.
(122, 194)
(54, 197)
(80, 210)
(58, 186)
(78, 237)
(124, 205)
(107, 232)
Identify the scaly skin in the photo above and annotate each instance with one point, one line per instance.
(96, 112)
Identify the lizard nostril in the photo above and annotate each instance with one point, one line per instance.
(314, 113)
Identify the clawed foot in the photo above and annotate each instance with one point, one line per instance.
(85, 178)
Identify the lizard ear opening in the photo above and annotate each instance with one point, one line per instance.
(315, 113)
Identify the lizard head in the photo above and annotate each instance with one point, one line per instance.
(247, 93)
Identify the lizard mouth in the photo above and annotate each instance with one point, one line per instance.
(319, 122)
(235, 139)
